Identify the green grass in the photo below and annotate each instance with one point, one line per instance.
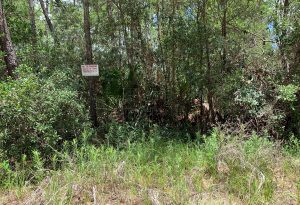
(222, 169)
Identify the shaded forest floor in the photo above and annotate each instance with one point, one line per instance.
(219, 170)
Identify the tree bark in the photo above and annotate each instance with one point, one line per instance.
(282, 40)
(89, 60)
(161, 59)
(33, 29)
(224, 35)
(87, 32)
(111, 20)
(10, 56)
(173, 63)
(46, 15)
(208, 73)
(200, 59)
(32, 22)
(127, 42)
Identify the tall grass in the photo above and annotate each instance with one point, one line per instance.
(155, 170)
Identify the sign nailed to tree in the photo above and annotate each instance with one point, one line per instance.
(90, 70)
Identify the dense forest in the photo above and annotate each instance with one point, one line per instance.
(196, 102)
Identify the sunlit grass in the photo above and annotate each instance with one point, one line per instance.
(223, 169)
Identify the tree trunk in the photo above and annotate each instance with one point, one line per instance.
(87, 33)
(159, 36)
(111, 20)
(173, 63)
(33, 29)
(46, 15)
(143, 48)
(89, 60)
(126, 38)
(224, 35)
(10, 57)
(208, 73)
(200, 59)
(282, 40)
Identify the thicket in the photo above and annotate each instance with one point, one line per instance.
(169, 70)
(184, 64)
(39, 114)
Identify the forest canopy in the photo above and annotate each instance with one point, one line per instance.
(190, 65)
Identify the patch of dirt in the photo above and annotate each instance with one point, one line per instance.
(208, 198)
(286, 185)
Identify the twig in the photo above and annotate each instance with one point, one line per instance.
(94, 195)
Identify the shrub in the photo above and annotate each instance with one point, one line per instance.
(288, 102)
(121, 135)
(293, 146)
(37, 115)
(251, 99)
(287, 92)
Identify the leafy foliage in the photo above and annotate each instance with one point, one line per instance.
(38, 115)
(288, 92)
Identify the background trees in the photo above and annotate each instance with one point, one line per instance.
(191, 63)
(6, 44)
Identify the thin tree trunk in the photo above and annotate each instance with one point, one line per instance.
(199, 58)
(46, 15)
(224, 35)
(161, 58)
(110, 19)
(133, 35)
(33, 29)
(173, 63)
(10, 57)
(89, 60)
(171, 71)
(126, 38)
(283, 55)
(143, 49)
(207, 51)
(87, 33)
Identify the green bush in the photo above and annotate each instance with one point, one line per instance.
(287, 93)
(121, 135)
(38, 115)
(250, 99)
